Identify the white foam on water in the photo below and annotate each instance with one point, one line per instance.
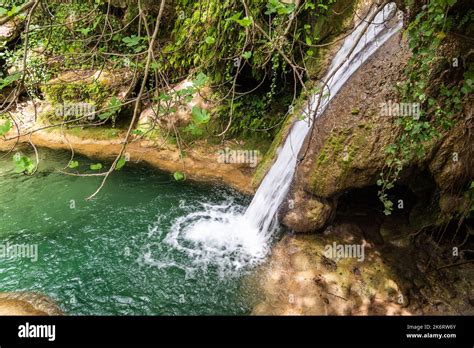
(222, 235)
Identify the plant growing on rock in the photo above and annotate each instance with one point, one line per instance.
(440, 106)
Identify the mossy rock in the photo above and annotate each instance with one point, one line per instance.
(93, 88)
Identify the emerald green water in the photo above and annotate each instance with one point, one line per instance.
(108, 256)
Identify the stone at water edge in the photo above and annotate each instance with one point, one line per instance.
(26, 304)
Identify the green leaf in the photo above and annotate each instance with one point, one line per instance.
(84, 31)
(112, 108)
(120, 163)
(9, 80)
(137, 132)
(200, 116)
(200, 80)
(154, 66)
(178, 176)
(210, 40)
(132, 40)
(23, 164)
(247, 54)
(245, 22)
(5, 127)
(193, 129)
(235, 17)
(97, 166)
(73, 164)
(275, 6)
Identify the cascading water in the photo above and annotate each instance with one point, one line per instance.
(226, 237)
(276, 183)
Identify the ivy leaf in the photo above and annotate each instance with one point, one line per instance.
(275, 6)
(178, 176)
(84, 31)
(210, 40)
(154, 66)
(112, 108)
(137, 132)
(23, 164)
(235, 17)
(5, 127)
(200, 80)
(9, 80)
(200, 116)
(132, 40)
(73, 164)
(97, 166)
(193, 129)
(120, 163)
(247, 54)
(245, 22)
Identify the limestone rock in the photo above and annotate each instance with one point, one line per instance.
(307, 213)
(9, 31)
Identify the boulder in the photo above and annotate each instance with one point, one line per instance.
(93, 89)
(9, 31)
(307, 213)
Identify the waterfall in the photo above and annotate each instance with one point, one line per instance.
(226, 237)
(274, 187)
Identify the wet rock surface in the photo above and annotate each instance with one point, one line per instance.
(328, 274)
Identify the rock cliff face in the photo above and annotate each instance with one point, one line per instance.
(347, 149)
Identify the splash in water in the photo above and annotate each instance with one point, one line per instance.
(224, 235)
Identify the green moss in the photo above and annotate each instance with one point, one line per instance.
(327, 31)
(323, 157)
(70, 92)
(95, 133)
(337, 156)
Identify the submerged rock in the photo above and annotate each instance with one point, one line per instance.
(27, 303)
